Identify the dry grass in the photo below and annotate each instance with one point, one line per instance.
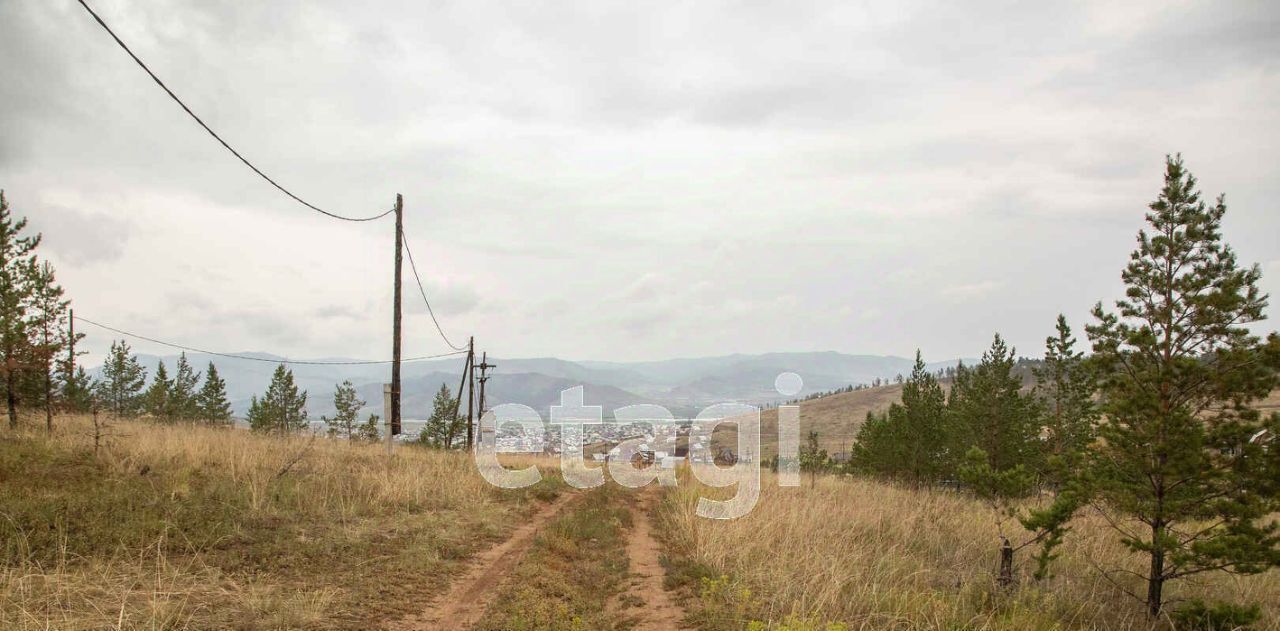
(873, 556)
(836, 418)
(195, 527)
(575, 565)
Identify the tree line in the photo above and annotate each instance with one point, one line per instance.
(1153, 428)
(38, 366)
(123, 389)
(37, 356)
(33, 322)
(283, 408)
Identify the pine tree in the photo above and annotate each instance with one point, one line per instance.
(47, 318)
(17, 265)
(73, 382)
(77, 391)
(909, 441)
(183, 402)
(1046, 525)
(443, 426)
(990, 412)
(877, 448)
(813, 458)
(156, 398)
(211, 402)
(282, 408)
(1179, 369)
(120, 385)
(1065, 385)
(368, 431)
(347, 406)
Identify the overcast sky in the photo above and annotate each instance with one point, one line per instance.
(627, 180)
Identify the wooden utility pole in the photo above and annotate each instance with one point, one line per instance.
(71, 346)
(471, 392)
(484, 376)
(394, 421)
(457, 401)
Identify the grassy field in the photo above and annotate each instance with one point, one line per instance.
(576, 564)
(873, 556)
(192, 527)
(196, 527)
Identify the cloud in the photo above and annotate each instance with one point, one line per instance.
(77, 236)
(346, 312)
(447, 298)
(970, 291)
(625, 179)
(647, 287)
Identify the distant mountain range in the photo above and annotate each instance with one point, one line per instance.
(683, 385)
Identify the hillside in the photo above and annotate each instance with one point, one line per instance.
(536, 390)
(683, 385)
(838, 417)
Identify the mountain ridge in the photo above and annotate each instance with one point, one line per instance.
(684, 385)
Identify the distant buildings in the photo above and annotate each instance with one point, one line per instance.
(669, 442)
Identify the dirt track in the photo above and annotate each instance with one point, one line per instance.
(658, 611)
(469, 595)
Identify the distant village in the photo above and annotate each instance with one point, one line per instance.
(664, 442)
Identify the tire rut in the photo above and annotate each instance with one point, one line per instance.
(470, 594)
(657, 609)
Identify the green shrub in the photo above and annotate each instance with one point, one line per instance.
(1218, 616)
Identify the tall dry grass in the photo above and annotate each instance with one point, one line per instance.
(179, 526)
(874, 556)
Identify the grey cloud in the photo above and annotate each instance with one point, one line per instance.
(77, 236)
(820, 100)
(861, 157)
(272, 331)
(276, 329)
(446, 299)
(1180, 48)
(970, 291)
(347, 312)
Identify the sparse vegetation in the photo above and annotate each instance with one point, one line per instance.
(190, 526)
(875, 555)
(576, 564)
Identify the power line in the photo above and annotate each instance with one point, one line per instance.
(263, 359)
(213, 133)
(423, 290)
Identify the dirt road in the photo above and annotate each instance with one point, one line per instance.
(645, 599)
(472, 592)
